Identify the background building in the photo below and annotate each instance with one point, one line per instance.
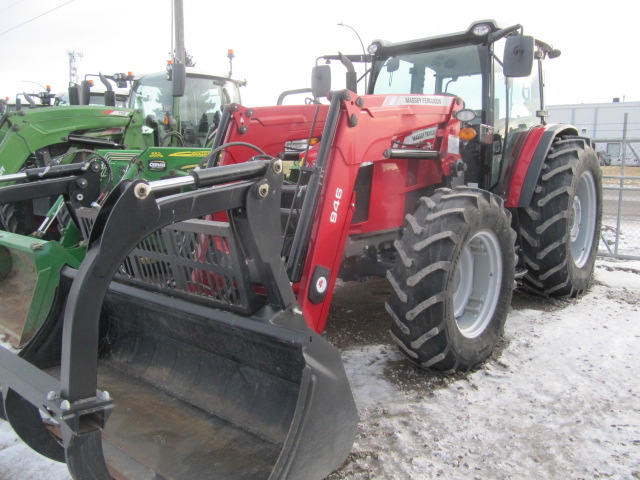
(608, 124)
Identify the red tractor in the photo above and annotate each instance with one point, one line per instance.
(183, 345)
(446, 178)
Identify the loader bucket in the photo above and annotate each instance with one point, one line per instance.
(184, 352)
(211, 397)
(29, 274)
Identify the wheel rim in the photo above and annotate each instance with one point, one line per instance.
(583, 219)
(477, 283)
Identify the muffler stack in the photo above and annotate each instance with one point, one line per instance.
(184, 353)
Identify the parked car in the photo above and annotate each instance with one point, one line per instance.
(605, 159)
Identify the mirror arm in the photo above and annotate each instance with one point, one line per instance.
(495, 36)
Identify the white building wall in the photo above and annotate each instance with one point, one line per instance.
(600, 121)
(605, 124)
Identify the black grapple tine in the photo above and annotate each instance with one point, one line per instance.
(28, 425)
(84, 457)
(211, 376)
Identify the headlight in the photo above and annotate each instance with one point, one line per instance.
(481, 29)
(373, 48)
(465, 115)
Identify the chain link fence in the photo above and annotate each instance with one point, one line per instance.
(615, 130)
(621, 203)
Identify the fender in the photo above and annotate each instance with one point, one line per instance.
(530, 159)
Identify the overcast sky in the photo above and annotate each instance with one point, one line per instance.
(276, 42)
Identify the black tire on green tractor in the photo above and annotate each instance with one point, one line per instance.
(453, 279)
(18, 218)
(560, 229)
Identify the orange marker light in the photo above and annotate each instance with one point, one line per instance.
(467, 134)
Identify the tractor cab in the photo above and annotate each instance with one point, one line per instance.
(187, 118)
(496, 71)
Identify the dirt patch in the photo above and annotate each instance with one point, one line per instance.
(357, 315)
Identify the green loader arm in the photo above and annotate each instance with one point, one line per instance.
(56, 130)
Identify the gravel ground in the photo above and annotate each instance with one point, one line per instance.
(557, 400)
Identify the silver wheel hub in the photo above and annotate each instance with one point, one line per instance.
(577, 218)
(583, 219)
(477, 283)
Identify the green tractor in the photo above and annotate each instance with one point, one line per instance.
(180, 107)
(30, 265)
(165, 131)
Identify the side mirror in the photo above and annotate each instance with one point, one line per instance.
(85, 92)
(110, 98)
(74, 94)
(320, 81)
(518, 56)
(178, 79)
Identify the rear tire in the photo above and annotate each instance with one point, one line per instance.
(453, 279)
(561, 228)
(18, 218)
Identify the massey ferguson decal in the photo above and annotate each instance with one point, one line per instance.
(418, 100)
(424, 136)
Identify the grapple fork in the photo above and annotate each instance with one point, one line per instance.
(157, 379)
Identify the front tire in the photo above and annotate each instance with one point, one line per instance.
(561, 228)
(453, 280)
(17, 217)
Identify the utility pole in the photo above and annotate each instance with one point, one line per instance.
(178, 22)
(73, 68)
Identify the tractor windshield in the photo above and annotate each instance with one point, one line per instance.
(199, 108)
(454, 71)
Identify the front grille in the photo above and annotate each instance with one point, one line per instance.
(196, 259)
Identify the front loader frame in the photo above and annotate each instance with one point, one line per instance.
(32, 265)
(250, 193)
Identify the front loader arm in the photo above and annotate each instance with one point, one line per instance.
(24, 133)
(254, 369)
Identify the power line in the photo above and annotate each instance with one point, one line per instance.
(12, 5)
(34, 18)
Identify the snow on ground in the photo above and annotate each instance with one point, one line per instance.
(561, 400)
(558, 400)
